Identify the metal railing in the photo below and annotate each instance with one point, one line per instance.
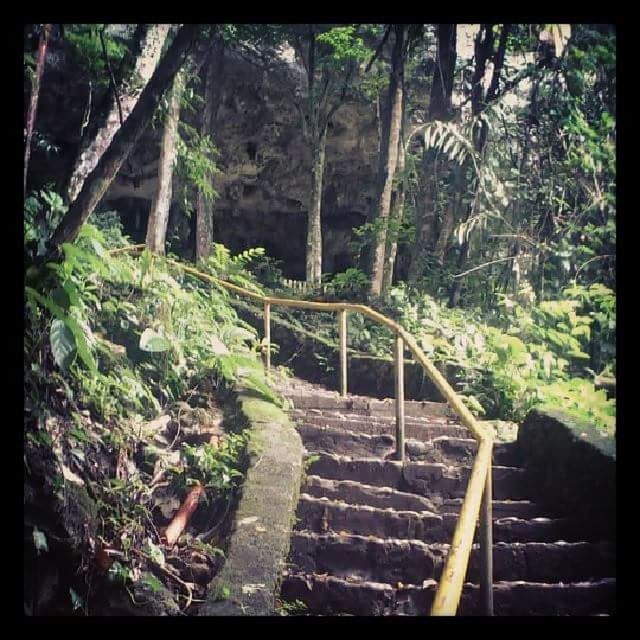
(477, 500)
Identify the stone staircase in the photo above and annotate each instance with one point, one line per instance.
(371, 537)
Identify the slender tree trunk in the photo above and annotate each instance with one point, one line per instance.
(121, 105)
(391, 248)
(425, 220)
(127, 136)
(204, 208)
(446, 229)
(451, 212)
(391, 135)
(159, 213)
(440, 108)
(35, 95)
(314, 225)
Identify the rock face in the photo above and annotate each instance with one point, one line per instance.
(571, 466)
(265, 176)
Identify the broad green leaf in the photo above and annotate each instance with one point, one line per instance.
(153, 342)
(63, 344)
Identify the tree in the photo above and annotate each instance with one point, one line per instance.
(123, 99)
(440, 108)
(159, 213)
(171, 140)
(45, 31)
(396, 214)
(204, 214)
(389, 154)
(124, 140)
(328, 58)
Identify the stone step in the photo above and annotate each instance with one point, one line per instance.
(321, 515)
(501, 508)
(592, 597)
(364, 494)
(444, 449)
(366, 406)
(331, 595)
(384, 419)
(413, 561)
(423, 430)
(354, 492)
(418, 477)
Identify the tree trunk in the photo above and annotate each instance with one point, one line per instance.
(159, 213)
(204, 212)
(391, 135)
(102, 176)
(314, 225)
(440, 108)
(446, 229)
(425, 220)
(391, 248)
(121, 104)
(35, 94)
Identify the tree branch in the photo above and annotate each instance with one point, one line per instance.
(486, 264)
(105, 55)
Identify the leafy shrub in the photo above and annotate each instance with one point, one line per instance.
(352, 284)
(131, 335)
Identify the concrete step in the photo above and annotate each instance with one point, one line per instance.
(545, 599)
(366, 406)
(330, 595)
(354, 492)
(501, 508)
(446, 449)
(422, 430)
(412, 561)
(423, 478)
(321, 515)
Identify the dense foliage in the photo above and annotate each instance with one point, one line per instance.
(495, 213)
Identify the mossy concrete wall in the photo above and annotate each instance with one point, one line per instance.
(259, 545)
(571, 466)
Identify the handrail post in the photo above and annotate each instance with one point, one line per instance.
(486, 546)
(399, 376)
(342, 330)
(267, 337)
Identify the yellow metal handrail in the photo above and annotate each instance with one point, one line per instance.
(477, 500)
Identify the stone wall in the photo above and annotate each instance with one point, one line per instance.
(572, 466)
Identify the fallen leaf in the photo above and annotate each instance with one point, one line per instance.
(260, 529)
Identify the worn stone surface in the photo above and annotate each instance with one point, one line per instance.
(264, 519)
(571, 466)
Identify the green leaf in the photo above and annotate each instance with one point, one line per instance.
(153, 342)
(154, 583)
(154, 552)
(76, 600)
(63, 344)
(39, 540)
